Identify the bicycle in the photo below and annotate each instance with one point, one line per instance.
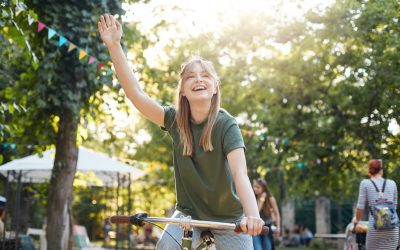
(187, 224)
(356, 235)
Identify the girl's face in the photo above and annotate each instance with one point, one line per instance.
(257, 188)
(198, 84)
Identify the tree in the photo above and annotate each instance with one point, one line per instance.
(61, 89)
(303, 110)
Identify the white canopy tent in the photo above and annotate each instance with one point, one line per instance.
(36, 169)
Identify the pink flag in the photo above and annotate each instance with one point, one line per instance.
(91, 60)
(40, 26)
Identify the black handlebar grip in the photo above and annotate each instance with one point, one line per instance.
(264, 231)
(120, 219)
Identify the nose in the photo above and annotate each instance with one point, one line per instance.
(199, 78)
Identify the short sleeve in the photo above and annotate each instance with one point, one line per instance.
(169, 117)
(362, 195)
(232, 137)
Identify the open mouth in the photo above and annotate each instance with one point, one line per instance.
(199, 88)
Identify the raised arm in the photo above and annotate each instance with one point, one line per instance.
(110, 32)
(237, 165)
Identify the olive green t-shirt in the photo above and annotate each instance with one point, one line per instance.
(204, 183)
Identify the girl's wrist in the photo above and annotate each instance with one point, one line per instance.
(113, 45)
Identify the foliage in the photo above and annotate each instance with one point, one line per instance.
(314, 115)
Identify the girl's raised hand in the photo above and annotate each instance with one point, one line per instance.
(110, 30)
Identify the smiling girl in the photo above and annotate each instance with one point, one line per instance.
(209, 161)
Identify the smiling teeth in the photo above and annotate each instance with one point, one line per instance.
(199, 88)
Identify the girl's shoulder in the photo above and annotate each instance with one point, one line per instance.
(224, 116)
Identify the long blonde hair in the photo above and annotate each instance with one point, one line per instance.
(183, 109)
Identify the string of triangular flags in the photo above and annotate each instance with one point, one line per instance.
(20, 7)
(264, 170)
(62, 40)
(279, 140)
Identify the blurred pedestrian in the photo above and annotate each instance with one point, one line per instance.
(269, 212)
(371, 190)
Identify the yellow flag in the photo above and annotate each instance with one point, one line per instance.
(82, 54)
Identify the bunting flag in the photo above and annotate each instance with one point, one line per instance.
(82, 54)
(91, 60)
(51, 33)
(41, 26)
(30, 20)
(71, 47)
(61, 41)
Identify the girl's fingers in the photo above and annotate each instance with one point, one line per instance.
(103, 23)
(117, 24)
(108, 21)
(243, 225)
(112, 19)
(250, 227)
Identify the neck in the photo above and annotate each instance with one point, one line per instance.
(199, 113)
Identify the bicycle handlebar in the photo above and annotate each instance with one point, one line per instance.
(184, 221)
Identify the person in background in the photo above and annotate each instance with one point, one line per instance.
(147, 238)
(269, 212)
(3, 201)
(106, 229)
(376, 239)
(306, 236)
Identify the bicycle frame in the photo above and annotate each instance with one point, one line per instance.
(185, 222)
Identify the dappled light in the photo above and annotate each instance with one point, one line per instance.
(311, 86)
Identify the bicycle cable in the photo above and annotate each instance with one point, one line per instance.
(154, 224)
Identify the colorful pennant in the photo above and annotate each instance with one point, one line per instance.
(51, 33)
(71, 47)
(41, 26)
(82, 54)
(61, 41)
(30, 20)
(91, 60)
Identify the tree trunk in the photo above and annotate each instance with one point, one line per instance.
(59, 215)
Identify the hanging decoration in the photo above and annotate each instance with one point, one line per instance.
(62, 40)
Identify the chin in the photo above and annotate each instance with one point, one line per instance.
(202, 98)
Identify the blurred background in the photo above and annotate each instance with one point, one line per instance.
(314, 85)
